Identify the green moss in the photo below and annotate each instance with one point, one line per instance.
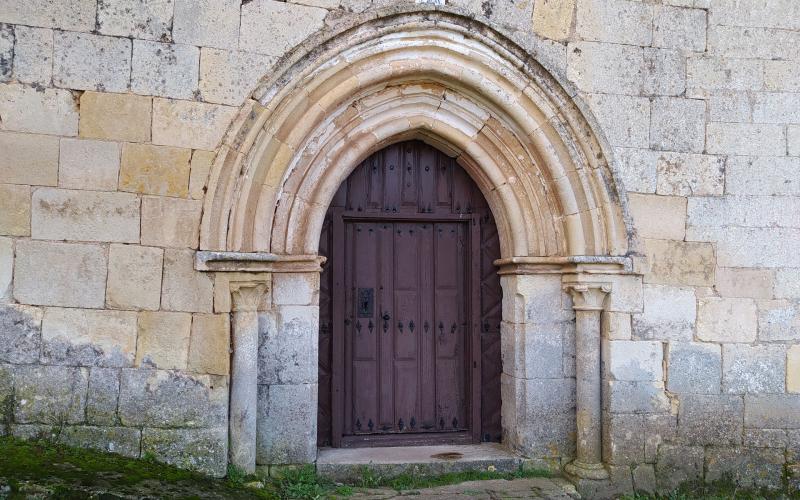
(725, 489)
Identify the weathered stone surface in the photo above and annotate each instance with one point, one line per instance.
(743, 283)
(615, 21)
(6, 269)
(60, 274)
(166, 70)
(171, 222)
(680, 262)
(751, 42)
(750, 247)
(658, 428)
(772, 411)
(776, 107)
(91, 62)
(33, 55)
(159, 170)
(287, 431)
(793, 369)
(669, 314)
(287, 349)
(20, 333)
(134, 277)
(198, 178)
(635, 360)
(617, 326)
(121, 117)
(601, 67)
(102, 396)
(50, 394)
(644, 478)
(163, 340)
(726, 320)
(762, 175)
(288, 24)
(6, 51)
(753, 369)
(625, 119)
(80, 337)
(202, 450)
(42, 111)
(747, 467)
(87, 164)
(61, 214)
(624, 435)
(745, 139)
(637, 168)
(679, 28)
(787, 283)
(778, 320)
(694, 368)
(28, 159)
(295, 289)
(781, 76)
(185, 289)
(554, 20)
(120, 440)
(664, 72)
(690, 174)
(637, 397)
(208, 23)
(228, 77)
(753, 211)
(708, 74)
(659, 217)
(729, 107)
(210, 346)
(678, 464)
(710, 419)
(189, 124)
(165, 399)
(15, 210)
(677, 124)
(793, 139)
(150, 20)
(78, 15)
(765, 438)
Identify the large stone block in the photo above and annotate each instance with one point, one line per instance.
(726, 320)
(637, 397)
(208, 23)
(659, 217)
(210, 346)
(171, 222)
(228, 77)
(53, 395)
(164, 69)
(6, 51)
(60, 274)
(159, 170)
(190, 124)
(6, 269)
(782, 76)
(287, 431)
(772, 411)
(15, 210)
(680, 262)
(80, 337)
(635, 360)
(121, 117)
(679, 28)
(163, 340)
(776, 107)
(793, 369)
(605, 67)
(765, 438)
(678, 464)
(102, 396)
(28, 159)
(624, 437)
(694, 368)
(87, 164)
(637, 169)
(678, 124)
(78, 15)
(658, 429)
(778, 320)
(625, 119)
(20, 333)
(710, 419)
(185, 289)
(664, 72)
(166, 399)
(793, 139)
(288, 346)
(616, 326)
(120, 440)
(745, 139)
(787, 283)
(299, 289)
(762, 176)
(202, 450)
(772, 15)
(744, 283)
(134, 277)
(751, 247)
(531, 350)
(747, 467)
(33, 55)
(41, 111)
(705, 75)
(669, 314)
(61, 214)
(287, 24)
(690, 174)
(753, 369)
(554, 20)
(198, 179)
(615, 21)
(143, 20)
(752, 42)
(729, 107)
(91, 62)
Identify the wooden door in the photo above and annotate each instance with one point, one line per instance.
(409, 306)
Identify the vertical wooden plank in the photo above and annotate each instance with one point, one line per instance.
(410, 167)
(386, 330)
(406, 306)
(339, 368)
(473, 337)
(392, 178)
(427, 421)
(427, 179)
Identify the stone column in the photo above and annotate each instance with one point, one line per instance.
(245, 298)
(588, 301)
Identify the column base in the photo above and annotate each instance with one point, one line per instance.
(580, 470)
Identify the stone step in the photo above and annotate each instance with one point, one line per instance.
(348, 464)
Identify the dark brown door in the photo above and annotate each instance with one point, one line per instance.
(409, 306)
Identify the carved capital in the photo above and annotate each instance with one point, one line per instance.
(588, 296)
(246, 296)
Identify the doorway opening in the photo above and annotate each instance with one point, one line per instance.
(410, 306)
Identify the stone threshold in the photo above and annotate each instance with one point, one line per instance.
(347, 464)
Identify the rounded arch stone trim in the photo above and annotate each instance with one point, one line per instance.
(432, 75)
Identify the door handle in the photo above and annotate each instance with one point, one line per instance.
(386, 319)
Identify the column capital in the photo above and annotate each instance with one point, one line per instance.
(247, 295)
(588, 296)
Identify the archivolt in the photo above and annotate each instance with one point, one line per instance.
(433, 75)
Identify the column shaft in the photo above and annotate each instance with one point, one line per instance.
(587, 388)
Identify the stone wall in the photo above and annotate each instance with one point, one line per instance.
(110, 116)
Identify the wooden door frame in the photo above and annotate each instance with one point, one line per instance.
(473, 359)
